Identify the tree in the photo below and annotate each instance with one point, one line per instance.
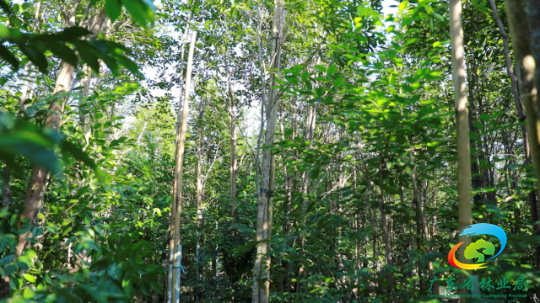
(462, 114)
(176, 213)
(521, 43)
(37, 186)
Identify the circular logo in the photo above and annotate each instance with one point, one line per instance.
(479, 249)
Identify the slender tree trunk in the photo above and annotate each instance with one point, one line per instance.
(199, 202)
(420, 218)
(287, 201)
(85, 125)
(169, 287)
(534, 22)
(521, 115)
(510, 71)
(261, 268)
(37, 185)
(521, 43)
(311, 118)
(6, 189)
(386, 236)
(177, 190)
(463, 149)
(27, 92)
(233, 142)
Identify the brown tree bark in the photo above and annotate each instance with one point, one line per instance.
(37, 184)
(463, 150)
(517, 100)
(84, 122)
(521, 43)
(534, 23)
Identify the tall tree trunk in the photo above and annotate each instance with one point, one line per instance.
(85, 125)
(168, 286)
(27, 92)
(511, 75)
(287, 201)
(386, 235)
(463, 150)
(37, 184)
(534, 23)
(233, 142)
(521, 43)
(261, 268)
(521, 115)
(311, 118)
(199, 190)
(6, 188)
(420, 218)
(177, 190)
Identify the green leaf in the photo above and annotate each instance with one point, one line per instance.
(339, 81)
(139, 10)
(88, 54)
(5, 6)
(28, 293)
(77, 152)
(304, 76)
(67, 230)
(4, 212)
(438, 17)
(92, 244)
(292, 79)
(411, 41)
(484, 117)
(6, 260)
(70, 33)
(127, 63)
(331, 70)
(29, 278)
(30, 144)
(65, 53)
(478, 125)
(9, 57)
(31, 253)
(403, 5)
(113, 8)
(35, 56)
(320, 68)
(24, 262)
